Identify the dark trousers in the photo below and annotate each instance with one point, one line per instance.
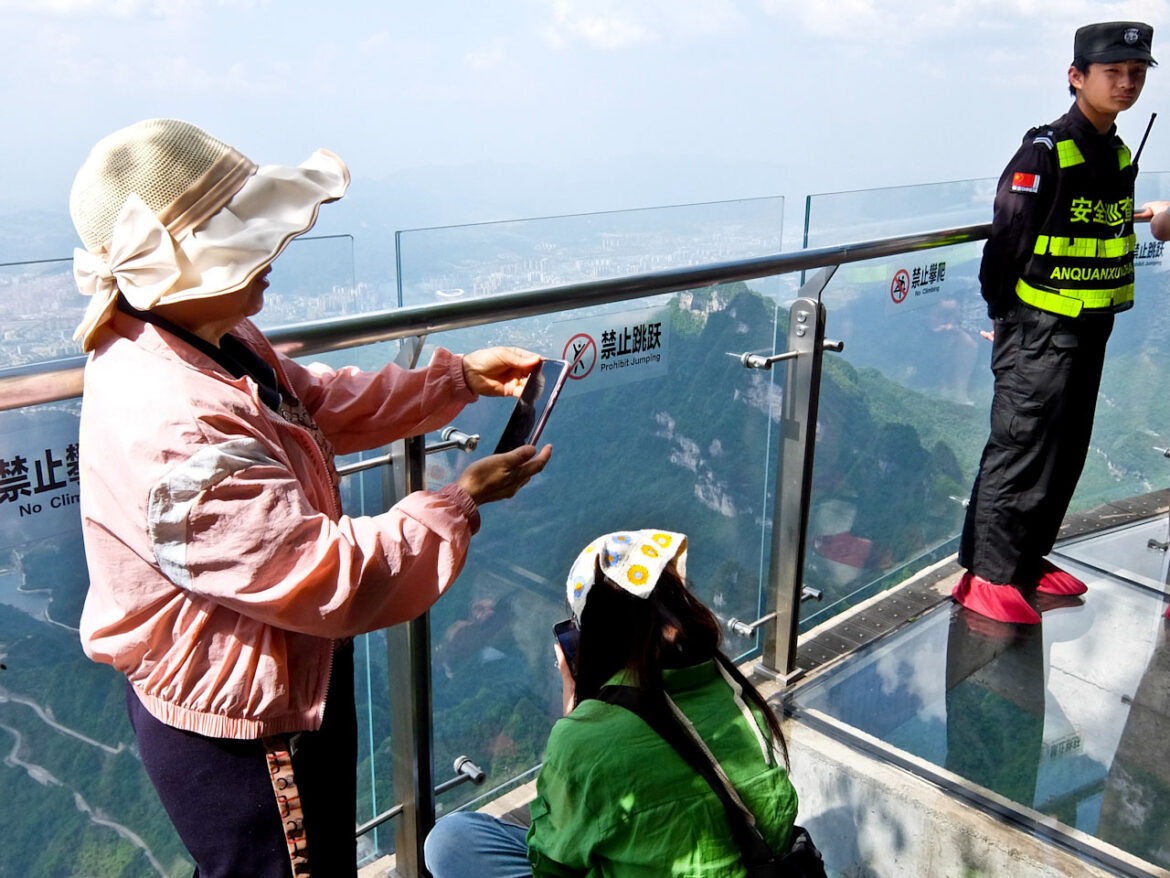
(219, 792)
(1047, 373)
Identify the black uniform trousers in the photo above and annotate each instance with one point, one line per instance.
(1047, 373)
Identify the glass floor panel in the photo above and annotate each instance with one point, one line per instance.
(1136, 552)
(1069, 719)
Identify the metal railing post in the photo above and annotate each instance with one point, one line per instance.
(806, 336)
(408, 648)
(408, 668)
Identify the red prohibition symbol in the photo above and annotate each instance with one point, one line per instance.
(900, 287)
(581, 351)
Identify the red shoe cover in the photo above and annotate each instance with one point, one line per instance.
(1053, 580)
(1004, 603)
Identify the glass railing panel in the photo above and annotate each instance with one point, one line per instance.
(914, 378)
(674, 437)
(362, 494)
(863, 215)
(1132, 424)
(441, 264)
(657, 427)
(313, 279)
(903, 408)
(42, 308)
(76, 800)
(1132, 428)
(1052, 719)
(75, 797)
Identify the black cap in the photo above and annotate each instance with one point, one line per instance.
(1112, 41)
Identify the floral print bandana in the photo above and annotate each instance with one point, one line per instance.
(633, 559)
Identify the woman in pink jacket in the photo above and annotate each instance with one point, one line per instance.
(225, 582)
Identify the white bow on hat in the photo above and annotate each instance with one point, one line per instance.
(142, 262)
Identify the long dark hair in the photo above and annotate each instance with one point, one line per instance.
(669, 629)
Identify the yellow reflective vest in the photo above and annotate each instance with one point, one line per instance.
(1082, 259)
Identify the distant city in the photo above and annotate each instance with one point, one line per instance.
(590, 258)
(315, 278)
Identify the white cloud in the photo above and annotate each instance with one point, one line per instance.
(901, 21)
(488, 58)
(612, 25)
(704, 17)
(65, 56)
(607, 29)
(107, 8)
(837, 18)
(374, 43)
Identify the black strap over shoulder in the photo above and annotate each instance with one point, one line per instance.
(232, 354)
(747, 837)
(802, 861)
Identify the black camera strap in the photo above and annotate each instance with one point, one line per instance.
(802, 860)
(747, 837)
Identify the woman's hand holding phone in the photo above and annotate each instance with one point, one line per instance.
(499, 476)
(499, 371)
(567, 638)
(568, 684)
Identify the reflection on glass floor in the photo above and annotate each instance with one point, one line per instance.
(1136, 552)
(1069, 718)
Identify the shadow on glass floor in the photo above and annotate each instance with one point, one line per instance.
(1069, 718)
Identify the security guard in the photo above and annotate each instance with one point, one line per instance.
(1057, 267)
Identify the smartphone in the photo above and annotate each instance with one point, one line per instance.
(531, 411)
(568, 636)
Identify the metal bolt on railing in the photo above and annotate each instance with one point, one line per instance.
(362, 465)
(757, 361)
(384, 817)
(455, 438)
(466, 771)
(452, 438)
(747, 629)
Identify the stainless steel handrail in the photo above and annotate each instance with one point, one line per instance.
(57, 380)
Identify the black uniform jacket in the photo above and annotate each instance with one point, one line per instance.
(1019, 215)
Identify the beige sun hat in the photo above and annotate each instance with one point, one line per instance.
(167, 213)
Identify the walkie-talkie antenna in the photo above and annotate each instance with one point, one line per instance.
(1142, 145)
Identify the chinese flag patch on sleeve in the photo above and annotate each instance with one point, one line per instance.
(1022, 182)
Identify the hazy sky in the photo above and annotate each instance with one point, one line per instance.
(566, 105)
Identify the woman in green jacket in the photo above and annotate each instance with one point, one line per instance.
(613, 797)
